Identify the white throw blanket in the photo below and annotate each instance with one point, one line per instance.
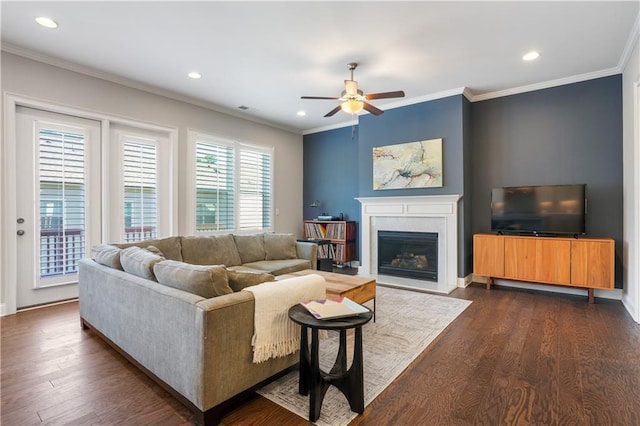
(274, 334)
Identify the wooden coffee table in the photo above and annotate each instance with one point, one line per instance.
(357, 288)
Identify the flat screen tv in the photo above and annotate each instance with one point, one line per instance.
(539, 210)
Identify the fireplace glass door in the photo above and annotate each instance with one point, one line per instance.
(408, 254)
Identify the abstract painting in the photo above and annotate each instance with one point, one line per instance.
(408, 165)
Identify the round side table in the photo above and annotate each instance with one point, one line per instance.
(315, 382)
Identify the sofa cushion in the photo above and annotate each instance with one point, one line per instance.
(250, 247)
(108, 255)
(139, 262)
(239, 280)
(280, 246)
(204, 280)
(275, 267)
(210, 250)
(170, 246)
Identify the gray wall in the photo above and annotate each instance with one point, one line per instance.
(562, 135)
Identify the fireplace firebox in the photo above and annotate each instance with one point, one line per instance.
(408, 254)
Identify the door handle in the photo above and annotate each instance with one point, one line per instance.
(20, 232)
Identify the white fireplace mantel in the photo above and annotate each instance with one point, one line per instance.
(428, 213)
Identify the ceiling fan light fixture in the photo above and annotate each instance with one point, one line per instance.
(352, 106)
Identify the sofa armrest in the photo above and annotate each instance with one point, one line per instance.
(309, 251)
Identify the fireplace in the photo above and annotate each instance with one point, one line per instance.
(419, 213)
(408, 254)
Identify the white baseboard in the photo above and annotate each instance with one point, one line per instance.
(465, 281)
(3, 309)
(615, 294)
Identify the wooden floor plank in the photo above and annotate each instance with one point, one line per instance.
(513, 357)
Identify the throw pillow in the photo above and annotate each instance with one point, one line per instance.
(170, 246)
(240, 280)
(203, 280)
(250, 247)
(107, 255)
(155, 250)
(280, 246)
(139, 262)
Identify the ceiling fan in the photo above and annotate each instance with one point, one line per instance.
(353, 100)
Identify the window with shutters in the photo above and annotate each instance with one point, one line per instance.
(139, 165)
(233, 186)
(215, 189)
(61, 175)
(254, 189)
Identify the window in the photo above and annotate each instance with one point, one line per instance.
(62, 201)
(140, 190)
(215, 193)
(233, 190)
(255, 189)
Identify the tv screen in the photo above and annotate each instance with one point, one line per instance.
(550, 209)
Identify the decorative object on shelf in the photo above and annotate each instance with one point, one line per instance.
(408, 165)
(353, 100)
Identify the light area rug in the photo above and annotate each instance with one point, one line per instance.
(406, 323)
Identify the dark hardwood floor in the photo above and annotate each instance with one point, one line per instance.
(513, 357)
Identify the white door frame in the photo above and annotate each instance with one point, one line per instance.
(8, 225)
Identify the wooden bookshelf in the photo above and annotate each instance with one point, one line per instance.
(341, 233)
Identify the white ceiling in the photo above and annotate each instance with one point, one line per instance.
(265, 55)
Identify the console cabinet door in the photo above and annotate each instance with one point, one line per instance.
(592, 263)
(488, 255)
(543, 260)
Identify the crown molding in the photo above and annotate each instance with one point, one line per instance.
(113, 78)
(546, 84)
(634, 37)
(331, 127)
(426, 98)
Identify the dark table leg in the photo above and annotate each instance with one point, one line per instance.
(351, 384)
(318, 386)
(303, 386)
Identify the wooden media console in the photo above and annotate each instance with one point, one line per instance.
(575, 262)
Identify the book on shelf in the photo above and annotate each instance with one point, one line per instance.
(326, 251)
(334, 308)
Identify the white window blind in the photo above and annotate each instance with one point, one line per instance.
(255, 189)
(140, 191)
(215, 188)
(62, 201)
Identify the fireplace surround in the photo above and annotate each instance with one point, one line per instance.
(430, 213)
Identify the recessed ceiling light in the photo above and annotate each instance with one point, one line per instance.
(46, 22)
(301, 113)
(194, 75)
(530, 56)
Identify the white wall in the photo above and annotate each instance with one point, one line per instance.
(631, 181)
(28, 78)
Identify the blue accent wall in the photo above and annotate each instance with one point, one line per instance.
(331, 173)
(565, 134)
(441, 118)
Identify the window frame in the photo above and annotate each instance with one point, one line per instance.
(195, 137)
(122, 134)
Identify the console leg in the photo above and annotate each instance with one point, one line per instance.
(489, 282)
(590, 292)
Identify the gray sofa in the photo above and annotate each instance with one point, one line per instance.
(198, 348)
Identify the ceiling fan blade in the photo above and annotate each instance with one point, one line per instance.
(333, 111)
(373, 110)
(318, 97)
(385, 95)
